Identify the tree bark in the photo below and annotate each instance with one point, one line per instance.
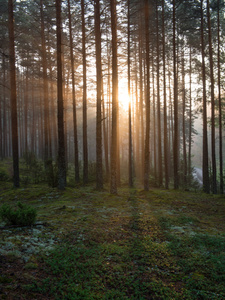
(99, 173)
(61, 138)
(214, 183)
(85, 142)
(76, 152)
(147, 101)
(13, 96)
(205, 167)
(114, 140)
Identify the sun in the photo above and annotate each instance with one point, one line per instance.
(124, 98)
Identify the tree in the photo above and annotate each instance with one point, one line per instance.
(99, 175)
(147, 100)
(85, 145)
(205, 167)
(214, 183)
(130, 171)
(76, 153)
(114, 139)
(61, 138)
(176, 121)
(13, 96)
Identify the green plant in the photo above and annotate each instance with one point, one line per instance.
(51, 173)
(3, 175)
(24, 215)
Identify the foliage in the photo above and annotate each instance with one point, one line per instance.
(51, 173)
(23, 216)
(33, 173)
(3, 175)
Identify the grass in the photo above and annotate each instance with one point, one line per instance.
(135, 245)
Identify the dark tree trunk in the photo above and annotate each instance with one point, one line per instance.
(45, 85)
(114, 140)
(147, 101)
(184, 123)
(13, 96)
(176, 121)
(85, 142)
(166, 149)
(61, 138)
(214, 183)
(205, 167)
(220, 102)
(160, 172)
(130, 169)
(76, 153)
(99, 175)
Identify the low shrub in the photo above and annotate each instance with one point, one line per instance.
(24, 215)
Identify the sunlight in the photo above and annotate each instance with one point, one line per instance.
(124, 98)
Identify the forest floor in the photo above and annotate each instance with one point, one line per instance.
(161, 244)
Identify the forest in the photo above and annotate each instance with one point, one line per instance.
(112, 117)
(118, 92)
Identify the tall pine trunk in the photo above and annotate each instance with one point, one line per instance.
(13, 96)
(76, 153)
(147, 101)
(130, 169)
(61, 138)
(85, 141)
(205, 166)
(114, 140)
(99, 174)
(175, 95)
(213, 144)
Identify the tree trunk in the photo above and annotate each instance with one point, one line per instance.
(220, 102)
(160, 172)
(76, 153)
(13, 96)
(130, 169)
(85, 142)
(99, 175)
(176, 121)
(214, 183)
(166, 149)
(147, 101)
(114, 140)
(205, 167)
(61, 138)
(45, 85)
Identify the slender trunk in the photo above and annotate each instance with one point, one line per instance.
(214, 183)
(114, 141)
(147, 101)
(190, 120)
(184, 122)
(176, 121)
(220, 102)
(61, 138)
(76, 153)
(160, 172)
(205, 166)
(129, 110)
(166, 149)
(99, 175)
(45, 85)
(13, 96)
(85, 142)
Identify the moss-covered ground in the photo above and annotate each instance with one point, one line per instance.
(161, 244)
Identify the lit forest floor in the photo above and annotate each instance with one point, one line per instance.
(92, 245)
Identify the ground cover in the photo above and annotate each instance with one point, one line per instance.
(135, 245)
